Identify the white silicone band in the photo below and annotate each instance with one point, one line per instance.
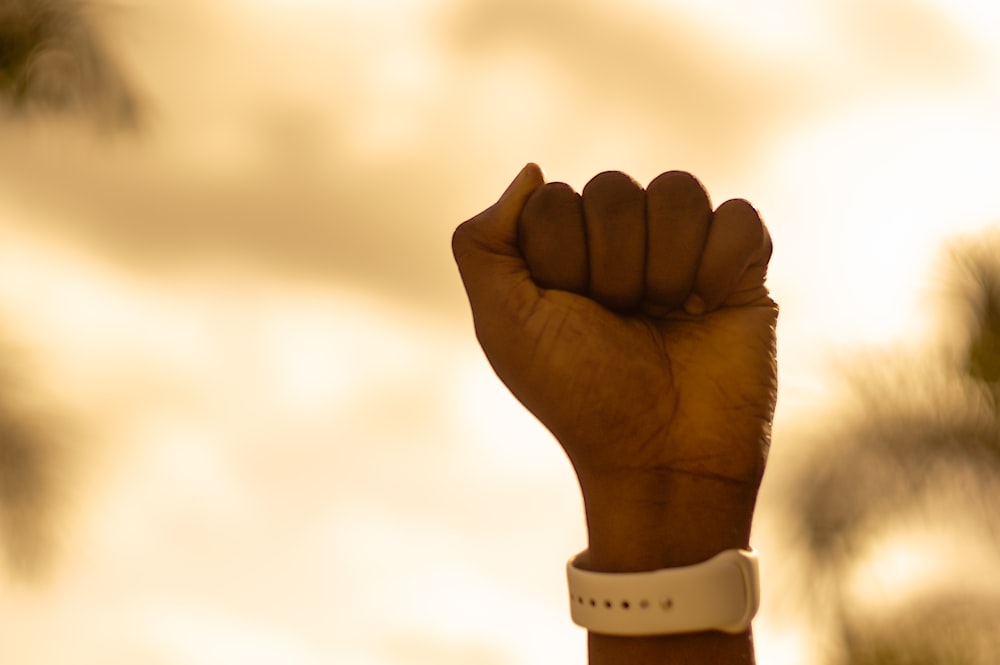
(722, 594)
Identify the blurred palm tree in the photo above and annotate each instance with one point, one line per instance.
(32, 485)
(53, 59)
(919, 445)
(53, 62)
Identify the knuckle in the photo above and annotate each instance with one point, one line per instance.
(740, 207)
(675, 178)
(610, 185)
(459, 238)
(463, 239)
(742, 222)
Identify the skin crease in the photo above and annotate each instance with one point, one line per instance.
(656, 374)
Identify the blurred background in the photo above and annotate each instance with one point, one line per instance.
(243, 416)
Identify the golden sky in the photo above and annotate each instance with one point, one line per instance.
(287, 447)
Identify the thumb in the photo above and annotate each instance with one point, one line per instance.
(485, 247)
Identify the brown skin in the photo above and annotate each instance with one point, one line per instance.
(636, 326)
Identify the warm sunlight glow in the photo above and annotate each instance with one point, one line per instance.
(898, 180)
(907, 565)
(285, 444)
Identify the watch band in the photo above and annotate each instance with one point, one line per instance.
(722, 594)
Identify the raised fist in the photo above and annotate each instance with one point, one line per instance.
(636, 326)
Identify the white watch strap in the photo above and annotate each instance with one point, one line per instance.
(722, 593)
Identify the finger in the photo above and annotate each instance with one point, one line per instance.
(485, 247)
(737, 245)
(553, 239)
(614, 211)
(752, 285)
(678, 214)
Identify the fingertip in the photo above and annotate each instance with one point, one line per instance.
(527, 180)
(614, 214)
(768, 243)
(744, 212)
(694, 305)
(611, 180)
(681, 184)
(552, 238)
(748, 217)
(495, 227)
(734, 259)
(534, 171)
(678, 215)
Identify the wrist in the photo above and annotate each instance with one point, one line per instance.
(641, 520)
(648, 520)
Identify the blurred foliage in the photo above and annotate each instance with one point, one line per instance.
(880, 466)
(919, 436)
(984, 352)
(53, 60)
(982, 265)
(27, 491)
(947, 631)
(34, 478)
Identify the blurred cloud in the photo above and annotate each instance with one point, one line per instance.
(403, 113)
(269, 453)
(914, 43)
(619, 67)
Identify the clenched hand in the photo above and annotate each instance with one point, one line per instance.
(635, 324)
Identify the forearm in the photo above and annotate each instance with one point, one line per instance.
(711, 648)
(648, 522)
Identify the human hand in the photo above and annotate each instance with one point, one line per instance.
(636, 326)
